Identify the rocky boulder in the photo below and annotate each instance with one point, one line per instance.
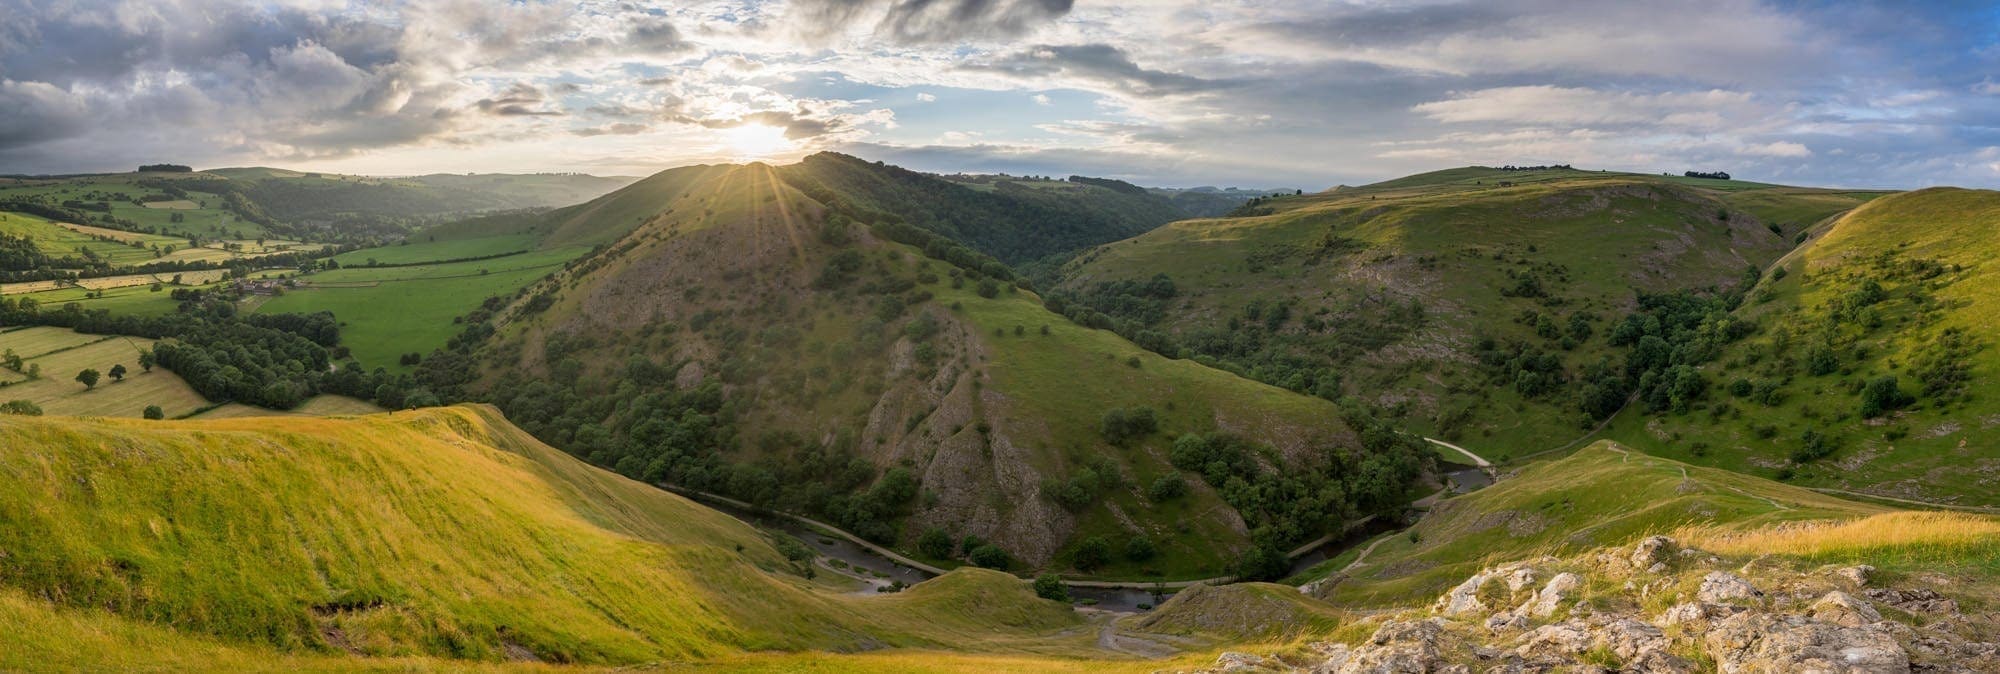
(1464, 599)
(1564, 587)
(1754, 641)
(1654, 550)
(1841, 608)
(1721, 587)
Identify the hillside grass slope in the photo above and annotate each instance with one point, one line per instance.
(1866, 371)
(752, 340)
(1429, 293)
(1604, 495)
(441, 533)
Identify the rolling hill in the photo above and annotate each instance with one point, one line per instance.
(1477, 302)
(1865, 368)
(749, 339)
(1013, 219)
(242, 204)
(389, 541)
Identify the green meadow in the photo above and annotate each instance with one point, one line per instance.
(387, 312)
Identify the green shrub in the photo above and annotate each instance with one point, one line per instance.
(1048, 586)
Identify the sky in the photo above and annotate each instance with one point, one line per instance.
(1182, 93)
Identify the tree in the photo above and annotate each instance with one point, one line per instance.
(1169, 487)
(118, 372)
(24, 408)
(154, 412)
(147, 360)
(1140, 548)
(88, 378)
(1092, 553)
(935, 544)
(1881, 395)
(989, 556)
(1048, 586)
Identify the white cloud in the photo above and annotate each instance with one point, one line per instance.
(1542, 104)
(1040, 99)
(1777, 149)
(926, 98)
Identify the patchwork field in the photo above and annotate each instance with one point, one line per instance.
(186, 278)
(437, 251)
(328, 405)
(61, 354)
(67, 240)
(200, 215)
(390, 311)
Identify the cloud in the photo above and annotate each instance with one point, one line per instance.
(519, 100)
(1100, 64)
(925, 21)
(1542, 104)
(1777, 149)
(619, 129)
(34, 112)
(1189, 91)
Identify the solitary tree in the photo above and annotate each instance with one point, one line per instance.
(146, 360)
(154, 412)
(118, 372)
(88, 378)
(1048, 586)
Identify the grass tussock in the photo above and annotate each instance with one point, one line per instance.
(1926, 538)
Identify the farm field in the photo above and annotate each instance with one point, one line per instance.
(436, 251)
(187, 278)
(66, 240)
(390, 311)
(134, 300)
(62, 353)
(201, 214)
(326, 405)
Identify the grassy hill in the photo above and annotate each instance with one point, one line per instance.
(1475, 300)
(442, 533)
(750, 339)
(1865, 370)
(247, 204)
(1014, 219)
(1604, 495)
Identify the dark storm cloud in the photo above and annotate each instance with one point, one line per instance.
(32, 112)
(1099, 63)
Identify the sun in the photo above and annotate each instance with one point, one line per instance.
(750, 141)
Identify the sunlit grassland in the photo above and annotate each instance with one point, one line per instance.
(440, 532)
(62, 353)
(422, 250)
(1597, 496)
(1914, 541)
(324, 405)
(1932, 450)
(55, 240)
(208, 220)
(390, 311)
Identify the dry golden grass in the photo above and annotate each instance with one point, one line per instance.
(1908, 542)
